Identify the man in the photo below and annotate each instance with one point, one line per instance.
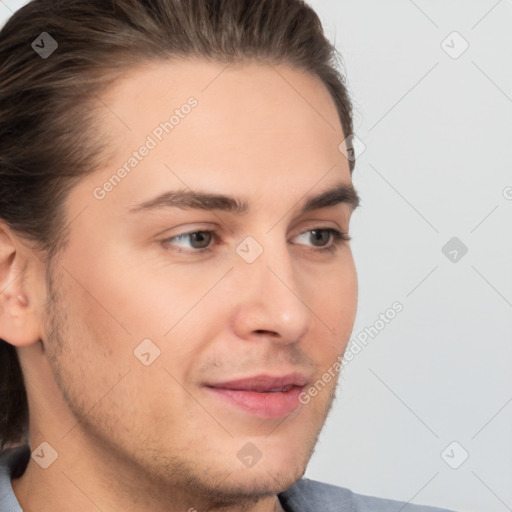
(175, 269)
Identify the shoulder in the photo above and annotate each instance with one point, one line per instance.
(310, 496)
(13, 462)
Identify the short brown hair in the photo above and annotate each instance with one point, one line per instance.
(48, 135)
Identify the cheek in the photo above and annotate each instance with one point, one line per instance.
(95, 350)
(334, 299)
(151, 295)
(116, 294)
(333, 305)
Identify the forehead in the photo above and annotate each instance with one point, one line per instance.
(211, 125)
(161, 85)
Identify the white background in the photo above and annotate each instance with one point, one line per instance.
(437, 164)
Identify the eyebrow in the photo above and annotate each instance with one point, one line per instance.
(340, 193)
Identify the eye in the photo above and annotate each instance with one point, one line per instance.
(320, 237)
(198, 240)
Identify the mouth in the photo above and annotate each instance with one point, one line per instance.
(262, 395)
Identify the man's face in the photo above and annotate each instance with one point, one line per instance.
(144, 323)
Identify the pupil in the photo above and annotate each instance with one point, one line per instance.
(321, 235)
(200, 237)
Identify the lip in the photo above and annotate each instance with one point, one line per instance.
(263, 395)
(263, 382)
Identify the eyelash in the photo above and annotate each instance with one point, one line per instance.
(338, 238)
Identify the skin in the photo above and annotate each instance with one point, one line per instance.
(136, 437)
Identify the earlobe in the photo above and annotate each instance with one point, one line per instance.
(19, 323)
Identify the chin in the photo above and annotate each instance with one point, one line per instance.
(224, 484)
(273, 473)
(272, 463)
(263, 481)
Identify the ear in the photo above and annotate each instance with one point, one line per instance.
(19, 319)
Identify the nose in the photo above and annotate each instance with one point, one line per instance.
(267, 301)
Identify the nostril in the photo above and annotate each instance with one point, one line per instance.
(263, 331)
